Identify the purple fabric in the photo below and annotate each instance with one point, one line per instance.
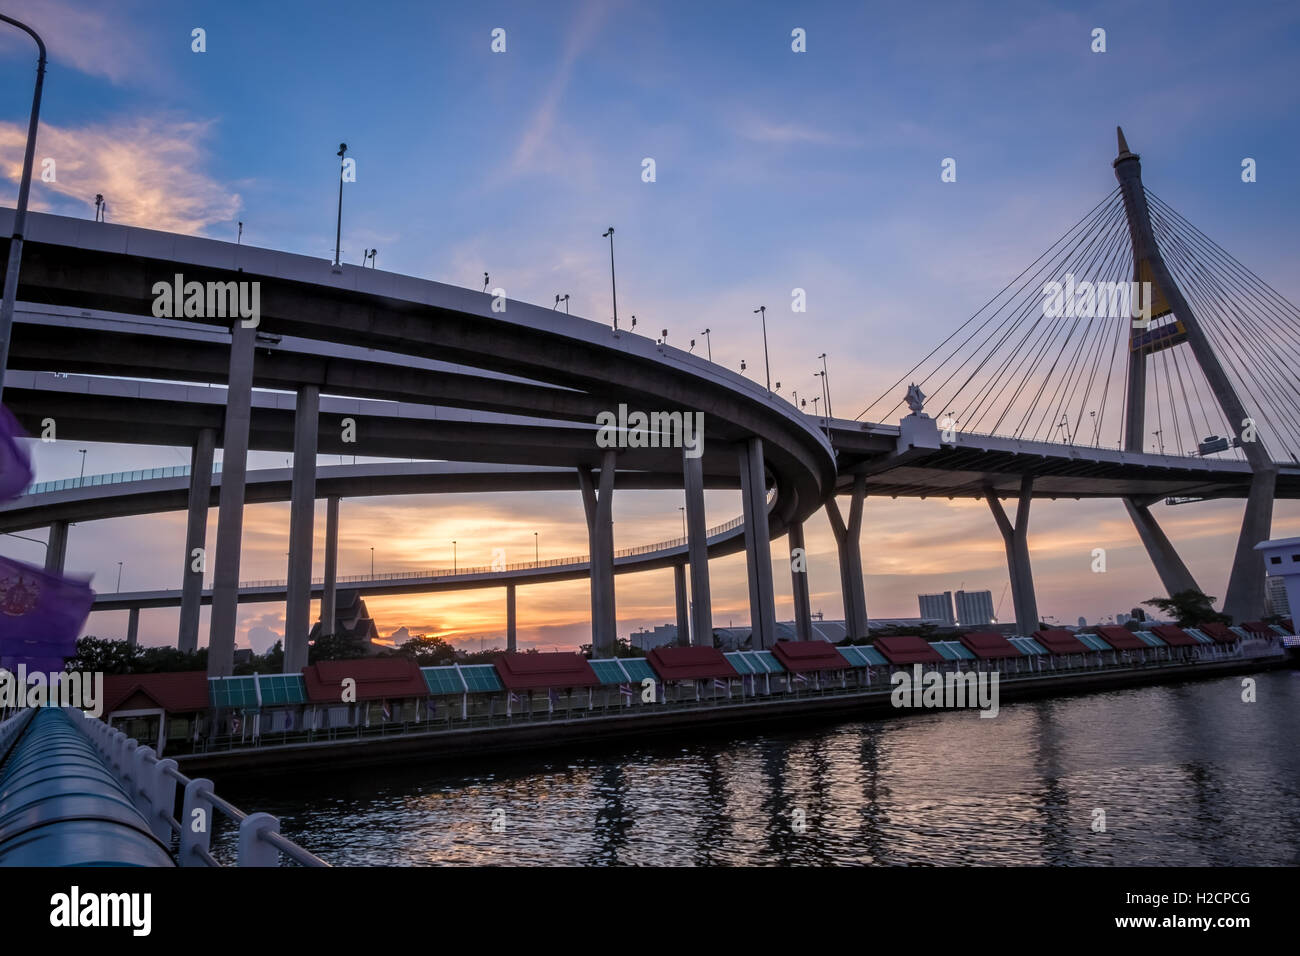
(15, 461)
(41, 614)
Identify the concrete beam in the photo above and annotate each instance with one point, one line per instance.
(1245, 598)
(196, 540)
(302, 513)
(133, 627)
(683, 605)
(329, 594)
(758, 547)
(56, 549)
(1015, 539)
(511, 644)
(799, 582)
(598, 503)
(697, 550)
(1173, 572)
(230, 520)
(848, 541)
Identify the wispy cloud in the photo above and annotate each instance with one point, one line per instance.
(147, 168)
(98, 41)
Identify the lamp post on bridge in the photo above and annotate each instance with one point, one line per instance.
(20, 210)
(338, 232)
(826, 385)
(613, 287)
(767, 368)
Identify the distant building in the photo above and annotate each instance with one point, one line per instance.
(1121, 618)
(648, 640)
(1275, 598)
(352, 620)
(1083, 622)
(937, 607)
(974, 608)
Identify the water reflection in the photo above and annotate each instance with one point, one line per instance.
(1186, 775)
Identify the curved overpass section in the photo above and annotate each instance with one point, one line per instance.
(510, 359)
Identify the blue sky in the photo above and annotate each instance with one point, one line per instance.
(775, 170)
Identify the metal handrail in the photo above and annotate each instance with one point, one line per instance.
(151, 784)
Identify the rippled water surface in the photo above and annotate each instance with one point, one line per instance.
(1185, 774)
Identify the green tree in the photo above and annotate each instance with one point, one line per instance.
(428, 651)
(104, 655)
(336, 647)
(1189, 608)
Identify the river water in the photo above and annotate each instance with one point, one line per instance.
(1185, 774)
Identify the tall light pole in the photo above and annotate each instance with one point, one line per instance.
(372, 563)
(682, 509)
(119, 577)
(708, 343)
(20, 211)
(613, 286)
(826, 382)
(338, 232)
(535, 546)
(453, 557)
(767, 368)
(83, 462)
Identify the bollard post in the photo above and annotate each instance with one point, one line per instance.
(196, 822)
(142, 764)
(162, 798)
(253, 850)
(126, 766)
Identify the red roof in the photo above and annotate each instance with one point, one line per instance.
(177, 692)
(1220, 632)
(989, 645)
(1057, 641)
(806, 656)
(1259, 627)
(543, 671)
(376, 678)
(907, 649)
(690, 663)
(1174, 636)
(1120, 638)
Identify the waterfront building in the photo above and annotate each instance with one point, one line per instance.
(975, 608)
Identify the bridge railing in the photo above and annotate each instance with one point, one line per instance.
(113, 478)
(152, 785)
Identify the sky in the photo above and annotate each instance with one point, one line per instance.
(774, 170)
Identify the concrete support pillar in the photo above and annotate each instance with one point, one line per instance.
(799, 581)
(230, 520)
(329, 594)
(697, 550)
(1245, 598)
(510, 618)
(1173, 573)
(848, 541)
(196, 540)
(683, 605)
(1015, 538)
(302, 513)
(599, 506)
(56, 551)
(758, 547)
(133, 627)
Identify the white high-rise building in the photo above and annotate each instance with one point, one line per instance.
(974, 608)
(1275, 598)
(937, 607)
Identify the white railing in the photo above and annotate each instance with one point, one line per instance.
(151, 784)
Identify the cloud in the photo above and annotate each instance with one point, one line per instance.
(147, 168)
(98, 41)
(761, 130)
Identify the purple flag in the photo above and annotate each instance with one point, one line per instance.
(15, 462)
(41, 614)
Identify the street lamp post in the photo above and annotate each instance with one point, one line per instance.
(20, 211)
(682, 509)
(826, 384)
(708, 344)
(83, 462)
(372, 563)
(613, 286)
(119, 577)
(453, 557)
(767, 368)
(338, 232)
(535, 546)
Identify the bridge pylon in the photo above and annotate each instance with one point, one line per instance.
(1245, 595)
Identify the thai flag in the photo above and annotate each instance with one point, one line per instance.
(433, 707)
(625, 690)
(800, 678)
(234, 725)
(41, 614)
(288, 724)
(550, 694)
(514, 698)
(719, 685)
(388, 711)
(15, 461)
